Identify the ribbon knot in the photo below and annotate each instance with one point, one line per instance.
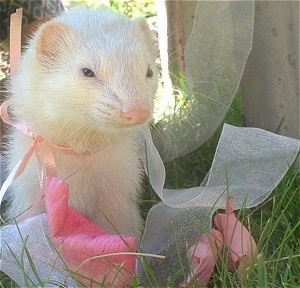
(41, 148)
(38, 138)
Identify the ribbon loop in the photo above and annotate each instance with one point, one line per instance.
(15, 40)
(41, 148)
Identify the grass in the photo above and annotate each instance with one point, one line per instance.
(275, 224)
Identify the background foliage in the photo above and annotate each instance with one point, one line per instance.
(132, 8)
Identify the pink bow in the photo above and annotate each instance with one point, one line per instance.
(88, 250)
(231, 235)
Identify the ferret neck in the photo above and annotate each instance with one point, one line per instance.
(25, 129)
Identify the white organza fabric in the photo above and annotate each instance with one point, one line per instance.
(248, 164)
(215, 57)
(28, 257)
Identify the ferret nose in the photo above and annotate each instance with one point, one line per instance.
(136, 116)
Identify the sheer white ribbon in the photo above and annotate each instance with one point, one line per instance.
(248, 164)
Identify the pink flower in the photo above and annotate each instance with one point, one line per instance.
(232, 235)
(80, 242)
(238, 240)
(204, 256)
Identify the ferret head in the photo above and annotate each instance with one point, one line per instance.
(87, 76)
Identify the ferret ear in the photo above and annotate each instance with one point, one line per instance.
(149, 37)
(54, 38)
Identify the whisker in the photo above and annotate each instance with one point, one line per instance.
(213, 100)
(87, 132)
(175, 31)
(76, 131)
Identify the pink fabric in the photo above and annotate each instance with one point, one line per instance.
(78, 239)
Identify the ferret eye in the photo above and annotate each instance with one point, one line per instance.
(88, 72)
(149, 73)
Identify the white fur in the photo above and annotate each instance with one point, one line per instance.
(62, 105)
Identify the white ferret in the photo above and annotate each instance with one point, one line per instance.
(87, 81)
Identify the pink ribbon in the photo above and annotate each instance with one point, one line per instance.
(42, 148)
(15, 57)
(15, 40)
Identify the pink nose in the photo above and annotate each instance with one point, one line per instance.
(136, 116)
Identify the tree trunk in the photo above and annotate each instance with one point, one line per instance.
(180, 17)
(270, 84)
